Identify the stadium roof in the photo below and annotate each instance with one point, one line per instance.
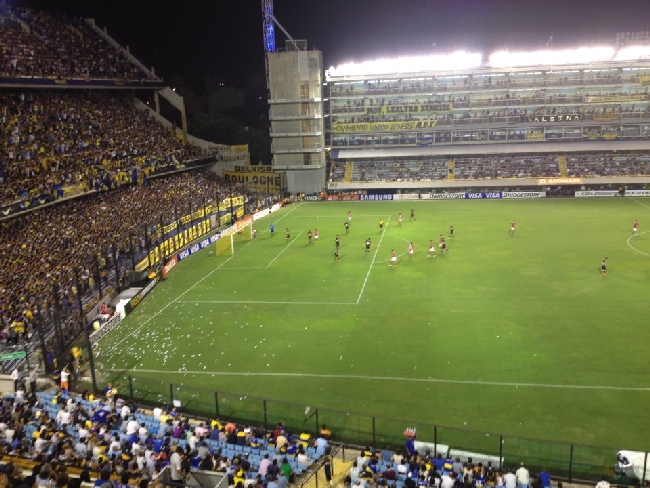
(503, 148)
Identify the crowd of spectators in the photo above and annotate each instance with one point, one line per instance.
(42, 250)
(113, 439)
(38, 44)
(492, 167)
(53, 138)
(603, 164)
(422, 469)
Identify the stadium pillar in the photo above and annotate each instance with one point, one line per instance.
(266, 427)
(39, 328)
(180, 224)
(131, 387)
(171, 395)
(117, 268)
(232, 209)
(91, 359)
(146, 244)
(98, 277)
(57, 318)
(191, 216)
(645, 465)
(435, 440)
(218, 211)
(571, 464)
(162, 236)
(501, 451)
(132, 251)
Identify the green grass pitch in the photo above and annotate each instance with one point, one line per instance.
(514, 334)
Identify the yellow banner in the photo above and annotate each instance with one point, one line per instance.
(240, 148)
(405, 109)
(383, 126)
(560, 181)
(534, 136)
(644, 80)
(259, 180)
(616, 98)
(174, 244)
(606, 117)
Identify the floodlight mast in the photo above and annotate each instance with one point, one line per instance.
(268, 32)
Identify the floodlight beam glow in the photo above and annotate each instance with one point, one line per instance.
(633, 53)
(459, 60)
(583, 55)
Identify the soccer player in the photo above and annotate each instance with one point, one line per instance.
(442, 244)
(635, 227)
(349, 216)
(432, 249)
(254, 233)
(451, 231)
(368, 245)
(512, 227)
(393, 258)
(315, 235)
(337, 241)
(272, 229)
(288, 235)
(337, 258)
(412, 217)
(381, 225)
(347, 227)
(399, 219)
(410, 249)
(603, 267)
(309, 236)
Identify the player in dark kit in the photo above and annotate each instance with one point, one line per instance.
(381, 225)
(288, 235)
(451, 231)
(347, 227)
(309, 235)
(603, 267)
(368, 245)
(336, 254)
(337, 242)
(412, 217)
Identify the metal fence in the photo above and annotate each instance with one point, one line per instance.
(563, 459)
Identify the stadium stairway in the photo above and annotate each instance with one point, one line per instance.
(452, 169)
(561, 162)
(349, 168)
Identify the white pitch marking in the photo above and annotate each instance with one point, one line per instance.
(632, 247)
(363, 287)
(267, 302)
(285, 248)
(399, 379)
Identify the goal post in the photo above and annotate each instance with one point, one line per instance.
(241, 231)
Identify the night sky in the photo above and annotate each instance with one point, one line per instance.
(225, 37)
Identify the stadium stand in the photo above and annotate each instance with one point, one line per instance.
(518, 166)
(57, 139)
(37, 44)
(43, 249)
(93, 439)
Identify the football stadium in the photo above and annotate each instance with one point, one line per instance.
(444, 270)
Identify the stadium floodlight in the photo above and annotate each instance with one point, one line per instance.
(632, 53)
(458, 60)
(583, 55)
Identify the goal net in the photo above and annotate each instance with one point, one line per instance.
(242, 231)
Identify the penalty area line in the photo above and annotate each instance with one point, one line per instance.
(634, 248)
(394, 378)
